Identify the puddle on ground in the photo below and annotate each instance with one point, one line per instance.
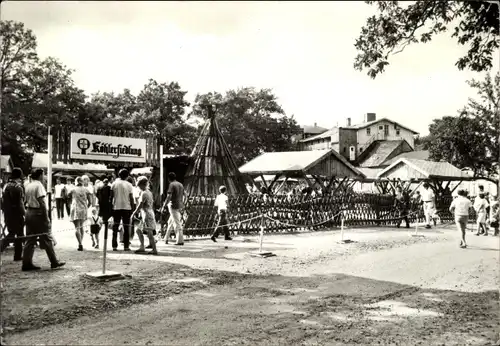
(205, 294)
(391, 309)
(310, 322)
(185, 280)
(338, 317)
(432, 296)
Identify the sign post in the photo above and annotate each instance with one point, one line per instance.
(49, 176)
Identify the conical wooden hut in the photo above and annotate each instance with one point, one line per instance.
(211, 164)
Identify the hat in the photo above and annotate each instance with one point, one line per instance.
(17, 173)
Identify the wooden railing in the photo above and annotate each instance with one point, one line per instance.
(247, 213)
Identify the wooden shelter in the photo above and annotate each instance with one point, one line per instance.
(405, 172)
(326, 167)
(211, 164)
(41, 160)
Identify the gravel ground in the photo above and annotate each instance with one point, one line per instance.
(385, 287)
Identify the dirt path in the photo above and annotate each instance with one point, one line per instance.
(384, 288)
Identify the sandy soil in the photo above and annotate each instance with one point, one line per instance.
(386, 287)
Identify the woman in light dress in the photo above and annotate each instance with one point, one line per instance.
(81, 200)
(148, 223)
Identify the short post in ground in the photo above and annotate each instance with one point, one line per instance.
(109, 275)
(261, 252)
(416, 234)
(342, 239)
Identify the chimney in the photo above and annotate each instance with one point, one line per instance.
(315, 124)
(348, 121)
(370, 117)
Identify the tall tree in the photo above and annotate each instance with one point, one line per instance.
(474, 24)
(251, 121)
(35, 94)
(471, 140)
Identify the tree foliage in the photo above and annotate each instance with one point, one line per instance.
(474, 24)
(251, 121)
(471, 140)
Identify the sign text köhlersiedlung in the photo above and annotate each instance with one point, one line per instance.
(107, 148)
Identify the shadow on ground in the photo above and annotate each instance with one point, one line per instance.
(234, 308)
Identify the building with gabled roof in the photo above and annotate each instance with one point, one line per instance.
(365, 144)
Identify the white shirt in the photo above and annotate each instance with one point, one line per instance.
(428, 195)
(461, 205)
(137, 193)
(122, 189)
(34, 191)
(480, 205)
(58, 190)
(221, 202)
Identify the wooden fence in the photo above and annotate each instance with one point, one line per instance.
(292, 213)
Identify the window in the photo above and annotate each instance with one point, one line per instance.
(360, 149)
(344, 150)
(380, 127)
(397, 132)
(368, 131)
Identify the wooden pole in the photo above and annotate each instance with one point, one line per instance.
(161, 175)
(49, 174)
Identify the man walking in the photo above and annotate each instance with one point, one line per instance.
(14, 212)
(460, 207)
(428, 198)
(174, 203)
(37, 224)
(58, 195)
(221, 204)
(123, 205)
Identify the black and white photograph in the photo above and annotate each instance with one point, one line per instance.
(250, 173)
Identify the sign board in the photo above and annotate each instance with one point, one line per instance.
(106, 148)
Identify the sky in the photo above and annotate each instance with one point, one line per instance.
(303, 51)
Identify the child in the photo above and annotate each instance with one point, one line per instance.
(145, 205)
(221, 204)
(95, 227)
(480, 207)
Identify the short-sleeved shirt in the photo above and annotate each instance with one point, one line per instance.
(221, 202)
(34, 191)
(58, 190)
(105, 202)
(177, 194)
(428, 195)
(12, 198)
(122, 190)
(461, 205)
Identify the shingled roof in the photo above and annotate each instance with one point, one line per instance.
(291, 162)
(428, 169)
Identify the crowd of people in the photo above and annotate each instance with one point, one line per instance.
(127, 204)
(124, 203)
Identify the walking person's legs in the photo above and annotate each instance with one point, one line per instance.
(125, 217)
(18, 243)
(176, 218)
(116, 225)
(461, 222)
(140, 235)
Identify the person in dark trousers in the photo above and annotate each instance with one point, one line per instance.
(38, 224)
(402, 204)
(175, 203)
(123, 205)
(14, 212)
(105, 199)
(68, 187)
(59, 196)
(221, 205)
